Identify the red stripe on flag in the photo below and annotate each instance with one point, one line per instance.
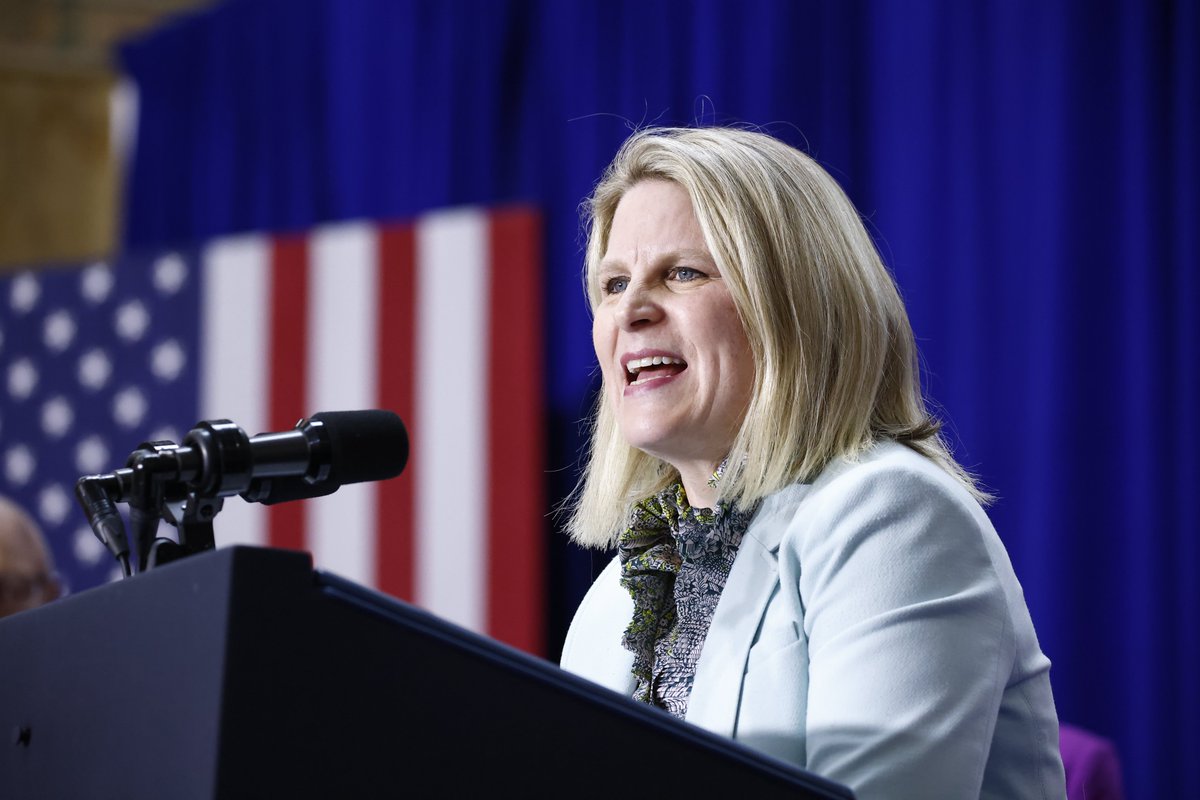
(515, 479)
(396, 509)
(288, 351)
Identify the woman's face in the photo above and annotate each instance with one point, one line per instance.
(662, 298)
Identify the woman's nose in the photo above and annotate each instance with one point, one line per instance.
(639, 306)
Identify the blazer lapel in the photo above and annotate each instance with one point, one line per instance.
(717, 689)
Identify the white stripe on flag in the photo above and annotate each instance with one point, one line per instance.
(451, 397)
(233, 371)
(342, 376)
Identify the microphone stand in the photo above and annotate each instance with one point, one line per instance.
(194, 520)
(146, 498)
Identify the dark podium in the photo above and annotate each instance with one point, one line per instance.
(244, 673)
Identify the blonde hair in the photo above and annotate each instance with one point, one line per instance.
(835, 363)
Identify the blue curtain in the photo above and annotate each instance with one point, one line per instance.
(1029, 170)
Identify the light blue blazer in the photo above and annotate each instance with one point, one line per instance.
(872, 631)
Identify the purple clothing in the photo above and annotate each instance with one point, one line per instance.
(1091, 763)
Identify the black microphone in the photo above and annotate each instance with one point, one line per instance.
(218, 459)
(351, 447)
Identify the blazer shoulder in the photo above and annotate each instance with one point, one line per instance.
(892, 476)
(887, 478)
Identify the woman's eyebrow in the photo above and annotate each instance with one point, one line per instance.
(688, 253)
(607, 268)
(682, 254)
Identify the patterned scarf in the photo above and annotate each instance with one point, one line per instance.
(675, 560)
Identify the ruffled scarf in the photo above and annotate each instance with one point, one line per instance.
(675, 560)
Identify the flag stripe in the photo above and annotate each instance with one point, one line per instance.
(342, 358)
(287, 367)
(233, 381)
(397, 337)
(451, 400)
(515, 448)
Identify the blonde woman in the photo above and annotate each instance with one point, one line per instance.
(802, 565)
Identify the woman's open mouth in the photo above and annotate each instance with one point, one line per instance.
(640, 371)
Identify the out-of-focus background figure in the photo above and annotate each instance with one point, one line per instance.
(27, 576)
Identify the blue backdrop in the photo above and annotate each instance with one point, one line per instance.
(1029, 169)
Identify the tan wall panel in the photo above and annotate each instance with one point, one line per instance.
(58, 181)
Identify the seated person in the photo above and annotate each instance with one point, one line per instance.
(27, 577)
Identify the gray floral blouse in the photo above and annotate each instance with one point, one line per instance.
(675, 560)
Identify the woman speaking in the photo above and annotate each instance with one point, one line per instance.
(802, 566)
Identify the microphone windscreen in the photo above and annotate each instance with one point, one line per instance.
(370, 445)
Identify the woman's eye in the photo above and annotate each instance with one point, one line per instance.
(615, 285)
(686, 274)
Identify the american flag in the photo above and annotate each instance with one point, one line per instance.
(438, 319)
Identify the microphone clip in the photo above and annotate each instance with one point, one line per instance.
(175, 483)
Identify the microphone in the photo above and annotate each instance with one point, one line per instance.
(218, 459)
(357, 446)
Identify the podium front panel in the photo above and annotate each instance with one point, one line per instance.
(244, 673)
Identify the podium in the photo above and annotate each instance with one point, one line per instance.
(243, 672)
